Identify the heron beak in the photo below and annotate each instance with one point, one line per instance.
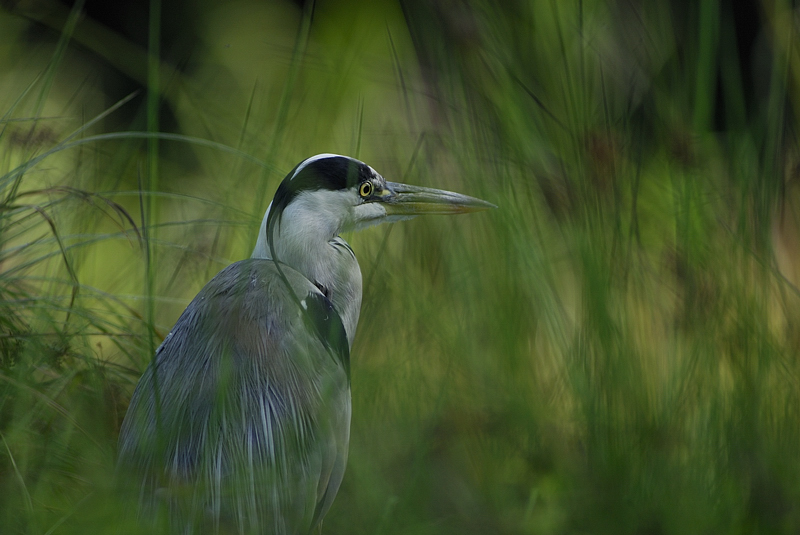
(405, 200)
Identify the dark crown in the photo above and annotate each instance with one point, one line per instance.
(331, 173)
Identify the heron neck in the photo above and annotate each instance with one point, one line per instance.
(323, 258)
(333, 268)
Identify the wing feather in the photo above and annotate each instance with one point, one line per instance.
(240, 422)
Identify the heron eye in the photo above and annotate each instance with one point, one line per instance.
(365, 190)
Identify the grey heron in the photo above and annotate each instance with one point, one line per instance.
(241, 422)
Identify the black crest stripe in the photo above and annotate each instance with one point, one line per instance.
(332, 173)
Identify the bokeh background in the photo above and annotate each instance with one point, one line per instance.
(615, 349)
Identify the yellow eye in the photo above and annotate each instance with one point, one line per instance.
(365, 189)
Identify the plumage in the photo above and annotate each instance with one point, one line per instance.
(236, 427)
(241, 423)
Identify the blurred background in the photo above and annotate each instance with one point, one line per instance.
(615, 349)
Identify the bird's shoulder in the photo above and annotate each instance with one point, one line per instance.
(259, 277)
(252, 290)
(259, 307)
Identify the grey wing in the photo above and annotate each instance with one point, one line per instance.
(243, 421)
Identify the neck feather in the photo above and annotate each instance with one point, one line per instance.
(305, 237)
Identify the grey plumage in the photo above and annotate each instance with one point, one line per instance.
(241, 424)
(232, 430)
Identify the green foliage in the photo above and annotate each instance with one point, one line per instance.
(613, 350)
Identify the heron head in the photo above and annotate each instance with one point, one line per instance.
(328, 194)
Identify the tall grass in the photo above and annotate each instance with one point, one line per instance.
(613, 350)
